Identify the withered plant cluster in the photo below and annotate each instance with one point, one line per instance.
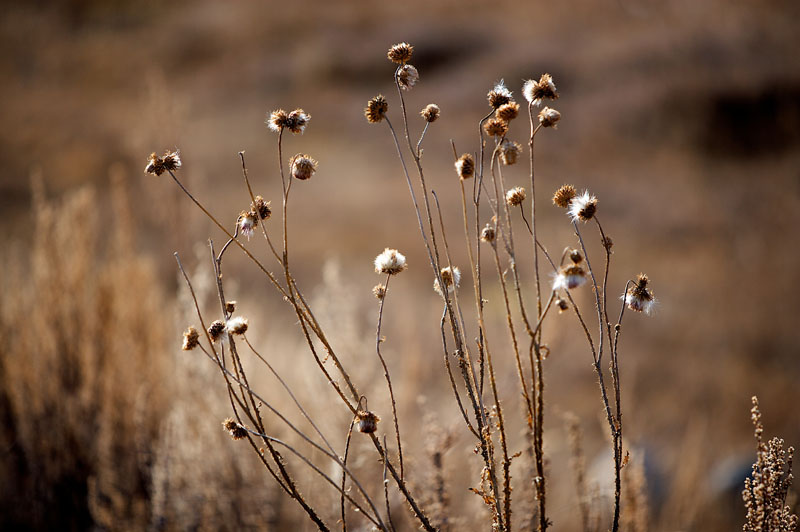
(498, 222)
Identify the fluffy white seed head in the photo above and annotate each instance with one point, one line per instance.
(390, 261)
(582, 207)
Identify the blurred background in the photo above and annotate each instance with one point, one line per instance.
(683, 117)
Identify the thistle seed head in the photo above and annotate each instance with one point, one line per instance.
(430, 113)
(496, 127)
(582, 207)
(465, 166)
(400, 53)
(407, 77)
(303, 166)
(190, 339)
(564, 196)
(376, 109)
(390, 262)
(509, 152)
(366, 421)
(515, 196)
(499, 95)
(548, 117)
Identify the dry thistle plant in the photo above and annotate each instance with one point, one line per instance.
(498, 221)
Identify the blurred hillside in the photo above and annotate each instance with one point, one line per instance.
(683, 117)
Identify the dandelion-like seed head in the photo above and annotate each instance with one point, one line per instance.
(509, 152)
(515, 196)
(278, 120)
(376, 109)
(499, 95)
(390, 261)
(488, 234)
(430, 113)
(549, 117)
(366, 421)
(261, 207)
(562, 305)
(451, 277)
(407, 77)
(496, 127)
(564, 196)
(216, 330)
(400, 53)
(508, 111)
(465, 166)
(237, 325)
(582, 207)
(536, 91)
(575, 256)
(569, 277)
(639, 297)
(190, 339)
(248, 220)
(379, 291)
(297, 121)
(237, 431)
(303, 166)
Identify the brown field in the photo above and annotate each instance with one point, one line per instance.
(683, 118)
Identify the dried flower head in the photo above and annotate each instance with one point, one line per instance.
(450, 277)
(499, 95)
(261, 208)
(216, 330)
(564, 196)
(639, 297)
(376, 109)
(407, 77)
(390, 261)
(230, 307)
(495, 127)
(278, 120)
(582, 207)
(548, 117)
(247, 222)
(508, 111)
(366, 421)
(536, 91)
(465, 166)
(515, 196)
(400, 53)
(237, 431)
(562, 305)
(488, 233)
(190, 339)
(379, 290)
(303, 166)
(158, 165)
(509, 152)
(237, 325)
(569, 277)
(430, 113)
(575, 256)
(297, 121)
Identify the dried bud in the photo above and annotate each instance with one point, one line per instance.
(507, 111)
(465, 166)
(564, 196)
(376, 109)
(390, 261)
(575, 256)
(230, 307)
(430, 113)
(509, 152)
(261, 207)
(488, 233)
(303, 166)
(407, 77)
(190, 339)
(367, 422)
(379, 291)
(215, 330)
(515, 196)
(582, 207)
(496, 127)
(400, 53)
(562, 305)
(549, 117)
(237, 431)
(499, 95)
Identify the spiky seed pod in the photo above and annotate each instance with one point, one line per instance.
(400, 53)
(515, 196)
(562, 305)
(376, 109)
(564, 196)
(465, 166)
(508, 111)
(237, 431)
(575, 256)
(639, 297)
(569, 277)
(379, 290)
(278, 120)
(548, 117)
(430, 113)
(499, 95)
(509, 152)
(230, 307)
(297, 121)
(190, 339)
(495, 127)
(215, 330)
(390, 261)
(407, 77)
(536, 91)
(247, 223)
(582, 207)
(488, 234)
(237, 325)
(451, 279)
(303, 166)
(261, 207)
(366, 421)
